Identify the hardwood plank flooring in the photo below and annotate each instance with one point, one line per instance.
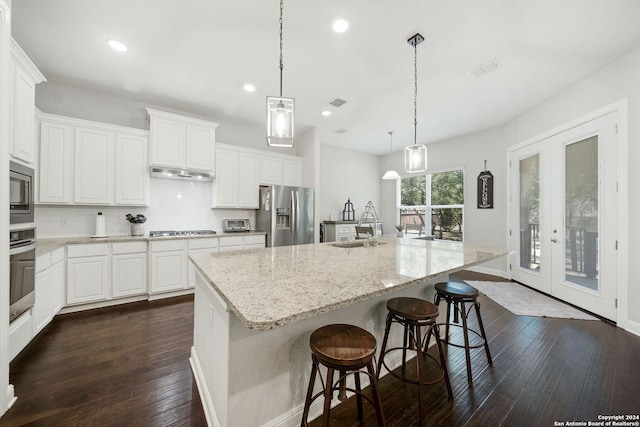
(128, 366)
(121, 366)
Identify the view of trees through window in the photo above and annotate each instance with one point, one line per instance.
(438, 197)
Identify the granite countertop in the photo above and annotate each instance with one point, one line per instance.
(271, 287)
(51, 244)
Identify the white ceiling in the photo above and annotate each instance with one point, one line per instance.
(195, 55)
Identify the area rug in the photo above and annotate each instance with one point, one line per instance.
(523, 301)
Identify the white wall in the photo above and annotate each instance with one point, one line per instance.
(482, 227)
(349, 174)
(70, 101)
(619, 80)
(6, 392)
(173, 205)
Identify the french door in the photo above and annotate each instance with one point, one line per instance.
(564, 215)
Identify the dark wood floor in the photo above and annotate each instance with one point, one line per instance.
(128, 366)
(121, 366)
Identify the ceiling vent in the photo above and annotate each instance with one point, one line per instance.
(486, 68)
(338, 102)
(340, 131)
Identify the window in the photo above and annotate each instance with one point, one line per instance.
(438, 196)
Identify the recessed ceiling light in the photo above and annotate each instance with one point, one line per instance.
(340, 25)
(248, 87)
(326, 113)
(116, 45)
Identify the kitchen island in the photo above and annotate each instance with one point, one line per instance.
(254, 314)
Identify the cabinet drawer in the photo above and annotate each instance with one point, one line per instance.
(254, 240)
(168, 245)
(76, 251)
(345, 229)
(231, 241)
(203, 243)
(128, 247)
(57, 256)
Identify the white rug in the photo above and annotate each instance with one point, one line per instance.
(523, 301)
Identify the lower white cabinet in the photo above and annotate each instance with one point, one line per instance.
(104, 271)
(168, 266)
(49, 287)
(87, 273)
(236, 243)
(200, 245)
(128, 269)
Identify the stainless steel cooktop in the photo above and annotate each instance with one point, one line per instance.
(166, 233)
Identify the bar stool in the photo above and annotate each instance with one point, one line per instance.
(458, 295)
(349, 350)
(418, 319)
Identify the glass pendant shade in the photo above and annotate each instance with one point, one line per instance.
(280, 121)
(391, 174)
(415, 158)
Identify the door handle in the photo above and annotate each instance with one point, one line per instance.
(554, 240)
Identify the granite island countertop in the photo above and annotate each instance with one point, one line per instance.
(271, 287)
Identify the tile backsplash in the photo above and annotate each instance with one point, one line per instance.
(173, 205)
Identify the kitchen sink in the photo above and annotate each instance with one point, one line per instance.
(355, 244)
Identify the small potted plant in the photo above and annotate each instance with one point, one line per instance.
(399, 229)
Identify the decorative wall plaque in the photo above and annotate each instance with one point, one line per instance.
(485, 190)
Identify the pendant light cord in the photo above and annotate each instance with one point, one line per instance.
(281, 64)
(415, 93)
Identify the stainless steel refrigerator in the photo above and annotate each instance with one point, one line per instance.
(286, 214)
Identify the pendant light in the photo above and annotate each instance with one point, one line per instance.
(391, 174)
(415, 156)
(280, 123)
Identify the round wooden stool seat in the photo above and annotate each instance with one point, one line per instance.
(412, 308)
(349, 350)
(457, 290)
(343, 345)
(458, 294)
(418, 320)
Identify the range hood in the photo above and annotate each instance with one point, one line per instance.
(183, 174)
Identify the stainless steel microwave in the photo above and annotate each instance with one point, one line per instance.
(20, 193)
(235, 225)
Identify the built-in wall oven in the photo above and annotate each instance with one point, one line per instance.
(20, 194)
(22, 252)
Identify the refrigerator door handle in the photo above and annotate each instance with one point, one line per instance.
(294, 215)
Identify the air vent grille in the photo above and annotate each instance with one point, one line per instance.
(338, 102)
(486, 68)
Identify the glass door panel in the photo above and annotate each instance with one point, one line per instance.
(530, 213)
(581, 213)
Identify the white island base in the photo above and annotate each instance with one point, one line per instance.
(249, 377)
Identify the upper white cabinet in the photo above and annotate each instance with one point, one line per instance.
(94, 182)
(237, 178)
(24, 77)
(240, 171)
(182, 142)
(90, 163)
(281, 170)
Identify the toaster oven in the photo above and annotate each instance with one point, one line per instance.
(235, 225)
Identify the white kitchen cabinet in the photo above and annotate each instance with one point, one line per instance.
(128, 269)
(88, 275)
(235, 243)
(132, 177)
(94, 160)
(182, 142)
(168, 266)
(49, 288)
(281, 170)
(89, 163)
(237, 178)
(24, 77)
(196, 246)
(56, 163)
